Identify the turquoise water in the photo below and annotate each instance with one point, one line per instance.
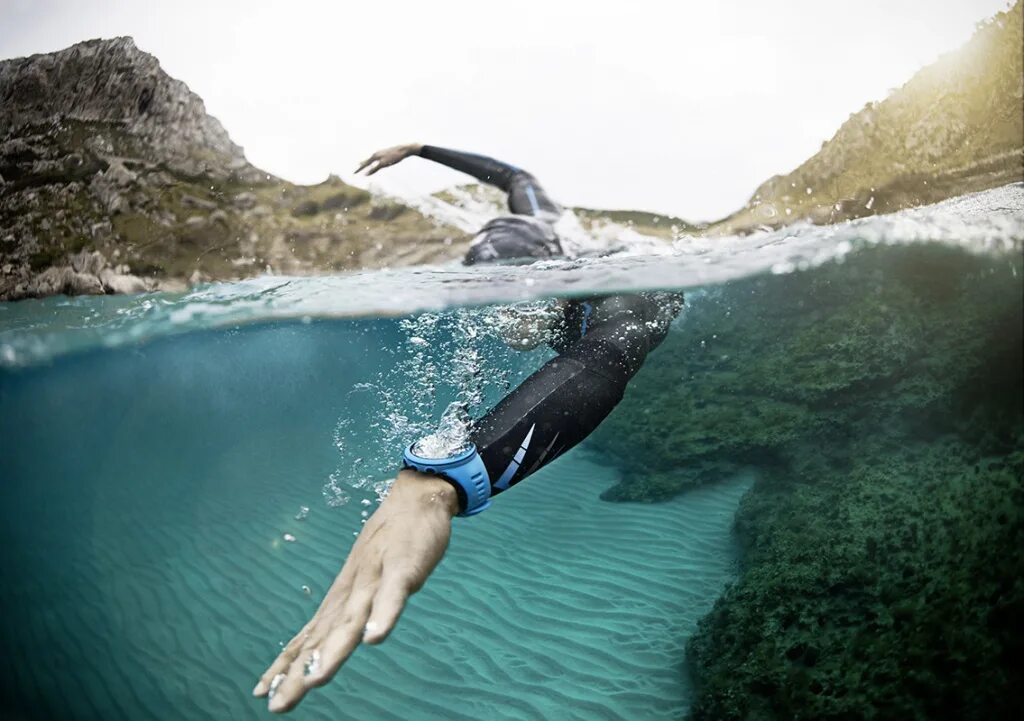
(157, 450)
(145, 575)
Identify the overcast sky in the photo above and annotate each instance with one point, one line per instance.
(677, 106)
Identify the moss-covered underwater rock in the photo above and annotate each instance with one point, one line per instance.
(880, 401)
(759, 364)
(885, 587)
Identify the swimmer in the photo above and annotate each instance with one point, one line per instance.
(601, 343)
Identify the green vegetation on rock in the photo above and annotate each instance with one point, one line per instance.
(956, 127)
(880, 402)
(151, 188)
(881, 580)
(653, 224)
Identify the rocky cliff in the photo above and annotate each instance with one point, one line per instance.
(113, 178)
(956, 127)
(112, 82)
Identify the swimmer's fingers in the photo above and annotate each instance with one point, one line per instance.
(292, 688)
(387, 157)
(366, 163)
(316, 666)
(382, 158)
(395, 589)
(314, 631)
(381, 163)
(338, 646)
(283, 660)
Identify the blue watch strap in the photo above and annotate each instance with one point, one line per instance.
(464, 470)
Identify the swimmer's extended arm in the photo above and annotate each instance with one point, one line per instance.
(404, 540)
(485, 169)
(525, 194)
(394, 554)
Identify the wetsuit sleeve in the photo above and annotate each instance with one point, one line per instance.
(563, 402)
(525, 194)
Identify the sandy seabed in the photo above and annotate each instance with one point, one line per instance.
(553, 604)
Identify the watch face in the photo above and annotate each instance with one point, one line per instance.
(439, 446)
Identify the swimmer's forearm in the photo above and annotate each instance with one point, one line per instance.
(484, 169)
(564, 402)
(481, 167)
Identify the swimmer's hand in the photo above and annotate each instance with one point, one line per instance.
(388, 156)
(400, 545)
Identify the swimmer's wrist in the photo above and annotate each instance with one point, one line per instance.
(426, 491)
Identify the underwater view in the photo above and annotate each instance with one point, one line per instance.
(715, 413)
(809, 501)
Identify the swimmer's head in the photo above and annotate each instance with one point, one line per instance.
(507, 251)
(514, 240)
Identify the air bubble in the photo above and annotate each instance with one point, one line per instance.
(313, 662)
(274, 684)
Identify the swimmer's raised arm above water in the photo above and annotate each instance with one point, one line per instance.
(601, 343)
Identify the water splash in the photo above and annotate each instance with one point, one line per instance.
(36, 331)
(451, 436)
(449, 364)
(469, 207)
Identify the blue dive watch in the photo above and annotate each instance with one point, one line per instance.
(465, 471)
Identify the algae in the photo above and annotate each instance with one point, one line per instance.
(880, 401)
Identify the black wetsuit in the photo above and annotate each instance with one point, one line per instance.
(602, 343)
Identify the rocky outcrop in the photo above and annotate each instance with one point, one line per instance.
(956, 127)
(87, 274)
(112, 82)
(102, 152)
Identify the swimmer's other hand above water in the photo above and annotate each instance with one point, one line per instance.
(388, 157)
(398, 548)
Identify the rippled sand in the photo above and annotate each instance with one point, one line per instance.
(553, 605)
